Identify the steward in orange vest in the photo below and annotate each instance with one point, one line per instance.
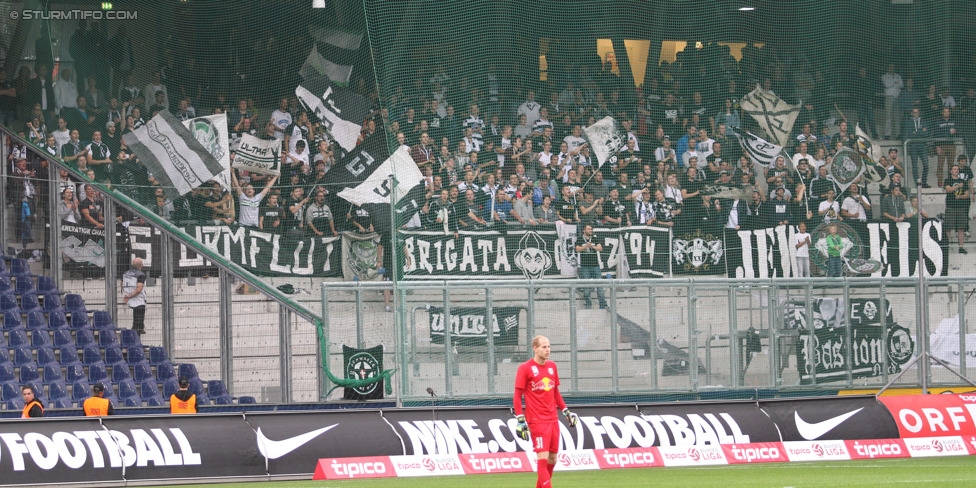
(97, 405)
(183, 402)
(34, 407)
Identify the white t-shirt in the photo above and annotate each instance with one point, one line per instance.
(804, 250)
(828, 216)
(573, 142)
(281, 122)
(250, 209)
(854, 208)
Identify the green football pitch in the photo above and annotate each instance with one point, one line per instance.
(942, 472)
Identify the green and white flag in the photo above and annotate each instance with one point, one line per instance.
(211, 131)
(173, 155)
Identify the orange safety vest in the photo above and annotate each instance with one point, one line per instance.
(177, 406)
(26, 413)
(96, 407)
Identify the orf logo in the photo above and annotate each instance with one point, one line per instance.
(694, 455)
(429, 465)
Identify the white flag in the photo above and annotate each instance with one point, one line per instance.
(761, 151)
(316, 65)
(344, 132)
(211, 132)
(172, 154)
(258, 155)
(605, 139)
(376, 187)
(774, 116)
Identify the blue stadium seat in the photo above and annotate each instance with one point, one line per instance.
(74, 303)
(157, 401)
(170, 386)
(113, 356)
(40, 338)
(17, 338)
(157, 355)
(97, 373)
(4, 355)
(129, 337)
(46, 355)
(246, 400)
(120, 371)
(85, 337)
(136, 354)
(29, 302)
(7, 372)
(62, 337)
(91, 355)
(148, 389)
(36, 320)
(12, 320)
(23, 284)
(68, 355)
(188, 371)
(52, 303)
(28, 372)
(5, 284)
(165, 372)
(75, 372)
(224, 400)
(45, 284)
(79, 321)
(16, 404)
(8, 391)
(23, 355)
(8, 301)
(132, 402)
(56, 320)
(3, 343)
(143, 371)
(80, 390)
(216, 388)
(52, 373)
(107, 337)
(102, 320)
(127, 389)
(19, 267)
(57, 389)
(61, 403)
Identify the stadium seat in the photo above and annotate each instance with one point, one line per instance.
(120, 371)
(80, 391)
(188, 371)
(12, 320)
(224, 400)
(132, 402)
(79, 321)
(56, 320)
(148, 389)
(52, 373)
(165, 372)
(62, 337)
(23, 355)
(5, 284)
(170, 387)
(156, 401)
(15, 404)
(97, 373)
(74, 303)
(246, 400)
(216, 388)
(113, 355)
(107, 337)
(7, 372)
(91, 355)
(46, 355)
(23, 284)
(157, 355)
(3, 343)
(143, 371)
(17, 338)
(68, 355)
(36, 320)
(127, 389)
(29, 372)
(135, 354)
(75, 372)
(84, 338)
(19, 267)
(102, 320)
(57, 389)
(8, 391)
(45, 284)
(29, 302)
(129, 337)
(40, 338)
(52, 303)
(4, 355)
(61, 403)
(8, 301)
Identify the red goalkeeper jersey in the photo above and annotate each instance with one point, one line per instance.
(539, 384)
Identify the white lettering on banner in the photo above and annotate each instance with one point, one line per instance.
(140, 242)
(75, 448)
(934, 419)
(224, 241)
(496, 463)
(353, 469)
(750, 454)
(816, 450)
(879, 449)
(633, 459)
(935, 446)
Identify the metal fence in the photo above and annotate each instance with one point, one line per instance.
(714, 338)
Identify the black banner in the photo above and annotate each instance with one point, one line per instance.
(708, 424)
(825, 419)
(83, 244)
(698, 252)
(468, 325)
(876, 249)
(363, 364)
(531, 253)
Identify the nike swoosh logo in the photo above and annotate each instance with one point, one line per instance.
(276, 449)
(815, 430)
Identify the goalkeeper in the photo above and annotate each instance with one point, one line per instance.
(538, 381)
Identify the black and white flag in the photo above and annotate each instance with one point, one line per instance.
(606, 138)
(340, 110)
(761, 151)
(333, 55)
(172, 154)
(211, 132)
(773, 115)
(258, 155)
(376, 187)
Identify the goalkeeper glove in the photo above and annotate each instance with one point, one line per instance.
(522, 428)
(571, 417)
